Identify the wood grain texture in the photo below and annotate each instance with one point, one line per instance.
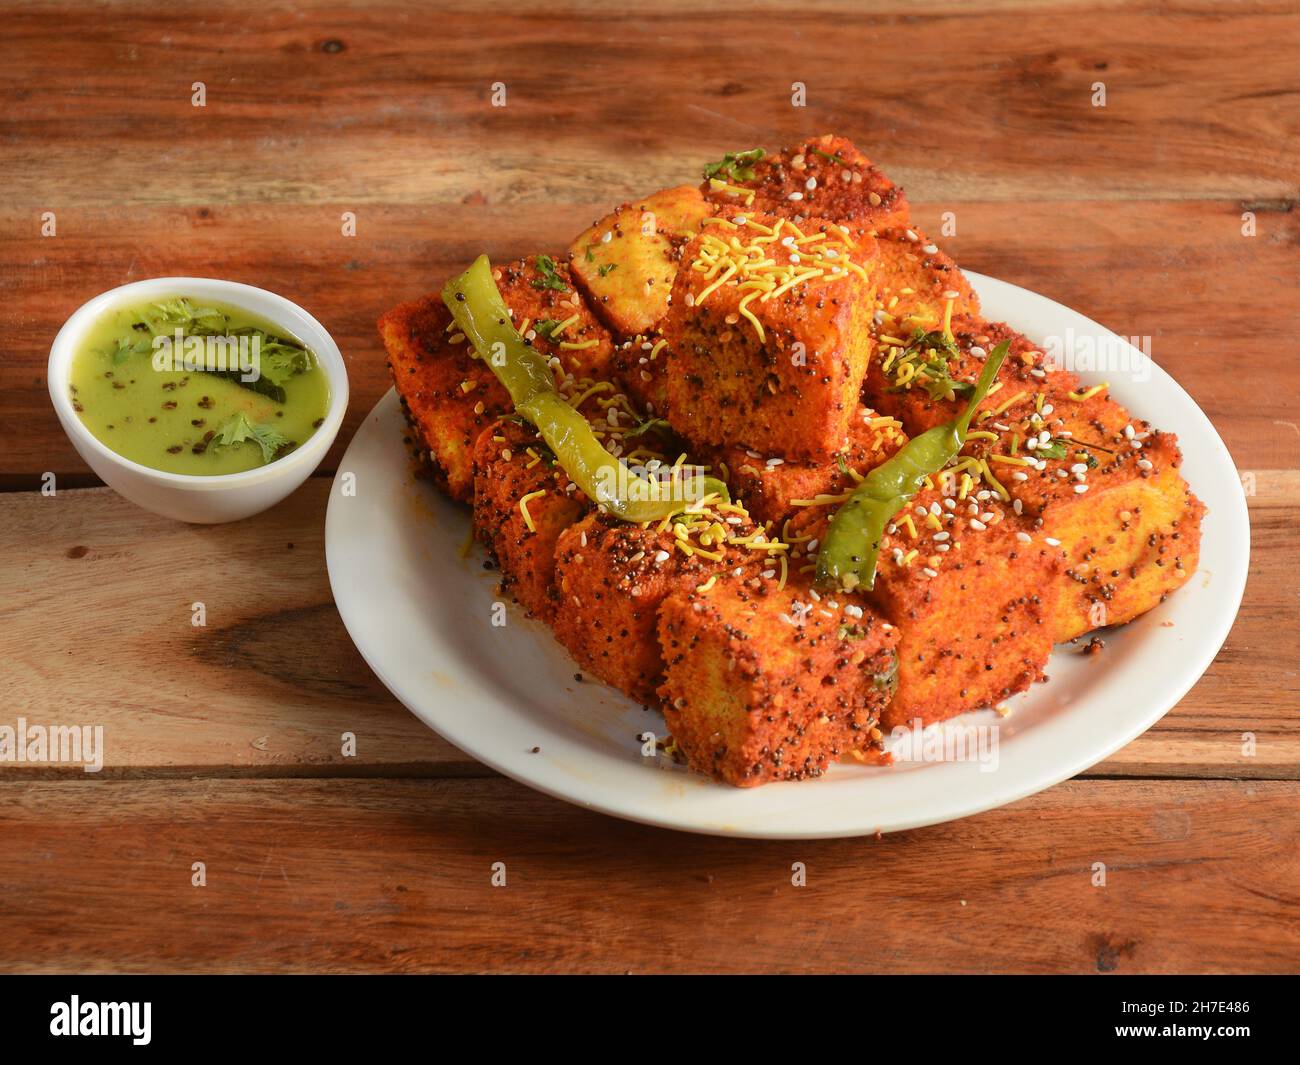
(96, 597)
(1130, 213)
(224, 742)
(1179, 272)
(1200, 876)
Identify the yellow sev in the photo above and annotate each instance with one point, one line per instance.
(754, 269)
(523, 507)
(1089, 393)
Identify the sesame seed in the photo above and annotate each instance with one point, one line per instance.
(929, 572)
(661, 556)
(795, 196)
(1145, 464)
(975, 523)
(942, 535)
(1052, 540)
(1020, 476)
(911, 236)
(1080, 488)
(810, 184)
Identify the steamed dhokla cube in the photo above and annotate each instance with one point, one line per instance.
(640, 365)
(768, 335)
(1106, 486)
(973, 590)
(923, 379)
(449, 395)
(612, 577)
(773, 488)
(762, 684)
(824, 177)
(522, 502)
(914, 283)
(626, 262)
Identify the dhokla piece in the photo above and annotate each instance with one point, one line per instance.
(772, 489)
(626, 262)
(973, 590)
(914, 283)
(1108, 488)
(923, 379)
(641, 367)
(612, 577)
(762, 684)
(768, 335)
(824, 177)
(522, 502)
(449, 395)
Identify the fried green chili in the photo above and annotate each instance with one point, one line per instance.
(847, 558)
(475, 302)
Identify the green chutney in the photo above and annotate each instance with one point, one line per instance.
(196, 387)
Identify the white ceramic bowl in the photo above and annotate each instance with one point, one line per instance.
(189, 497)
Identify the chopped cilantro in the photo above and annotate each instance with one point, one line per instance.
(548, 275)
(238, 429)
(603, 270)
(646, 426)
(828, 156)
(735, 166)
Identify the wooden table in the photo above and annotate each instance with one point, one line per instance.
(223, 742)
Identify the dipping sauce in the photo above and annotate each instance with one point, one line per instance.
(196, 387)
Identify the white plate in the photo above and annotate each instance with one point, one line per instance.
(422, 618)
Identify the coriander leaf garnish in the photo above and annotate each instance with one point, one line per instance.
(828, 156)
(646, 426)
(549, 276)
(926, 355)
(178, 311)
(238, 429)
(545, 327)
(603, 270)
(124, 349)
(1053, 449)
(735, 166)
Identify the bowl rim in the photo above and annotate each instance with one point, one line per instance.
(277, 309)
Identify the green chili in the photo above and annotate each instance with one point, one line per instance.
(475, 302)
(847, 558)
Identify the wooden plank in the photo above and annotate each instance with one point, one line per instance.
(394, 876)
(97, 607)
(96, 595)
(1178, 272)
(375, 104)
